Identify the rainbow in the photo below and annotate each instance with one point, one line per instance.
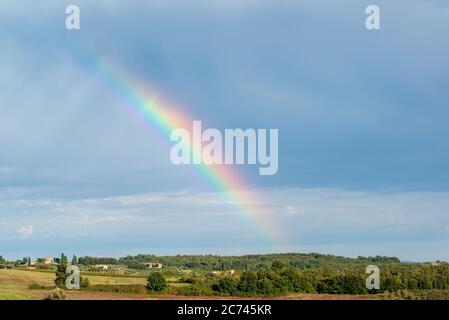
(148, 109)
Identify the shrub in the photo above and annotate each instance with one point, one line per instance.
(299, 281)
(156, 282)
(391, 282)
(190, 280)
(200, 289)
(56, 294)
(265, 286)
(343, 284)
(119, 288)
(36, 286)
(226, 285)
(84, 282)
(416, 295)
(248, 282)
(61, 275)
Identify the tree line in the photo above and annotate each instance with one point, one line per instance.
(247, 262)
(281, 279)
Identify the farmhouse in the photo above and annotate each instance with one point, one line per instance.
(101, 266)
(229, 272)
(153, 265)
(48, 261)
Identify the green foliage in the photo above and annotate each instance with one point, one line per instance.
(198, 289)
(275, 274)
(227, 285)
(277, 265)
(433, 294)
(265, 287)
(61, 276)
(89, 261)
(392, 282)
(63, 259)
(265, 283)
(300, 282)
(191, 280)
(84, 283)
(119, 288)
(156, 282)
(248, 282)
(344, 283)
(248, 262)
(36, 286)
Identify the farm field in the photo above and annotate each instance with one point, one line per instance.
(14, 285)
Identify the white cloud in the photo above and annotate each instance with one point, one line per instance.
(307, 210)
(26, 231)
(312, 218)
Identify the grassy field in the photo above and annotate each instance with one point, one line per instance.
(14, 283)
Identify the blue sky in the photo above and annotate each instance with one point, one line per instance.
(362, 118)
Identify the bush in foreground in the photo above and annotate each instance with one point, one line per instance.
(156, 282)
(56, 294)
(119, 288)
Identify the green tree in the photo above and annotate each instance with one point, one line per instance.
(282, 284)
(327, 285)
(265, 286)
(61, 275)
(351, 283)
(391, 282)
(298, 280)
(64, 259)
(156, 282)
(74, 260)
(227, 285)
(248, 282)
(277, 265)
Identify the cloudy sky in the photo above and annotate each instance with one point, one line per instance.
(362, 118)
